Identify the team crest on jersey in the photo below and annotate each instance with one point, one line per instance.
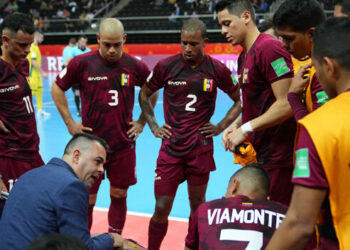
(245, 77)
(125, 81)
(208, 85)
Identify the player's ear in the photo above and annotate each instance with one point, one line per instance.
(5, 39)
(206, 40)
(310, 32)
(76, 156)
(98, 38)
(124, 38)
(232, 188)
(246, 16)
(332, 67)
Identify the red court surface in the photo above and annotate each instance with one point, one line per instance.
(136, 228)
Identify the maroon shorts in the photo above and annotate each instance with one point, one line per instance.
(11, 168)
(281, 184)
(121, 172)
(171, 171)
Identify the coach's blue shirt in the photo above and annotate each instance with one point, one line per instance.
(48, 199)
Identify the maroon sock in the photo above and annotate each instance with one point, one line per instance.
(117, 215)
(156, 234)
(90, 210)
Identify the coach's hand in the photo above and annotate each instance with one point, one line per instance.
(163, 132)
(77, 127)
(2, 187)
(118, 241)
(300, 80)
(135, 130)
(3, 127)
(210, 130)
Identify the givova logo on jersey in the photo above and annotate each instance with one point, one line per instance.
(125, 80)
(208, 85)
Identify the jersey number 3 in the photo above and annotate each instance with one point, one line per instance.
(254, 238)
(190, 103)
(114, 97)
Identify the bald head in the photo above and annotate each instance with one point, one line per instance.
(111, 26)
(252, 181)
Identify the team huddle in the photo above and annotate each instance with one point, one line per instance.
(291, 111)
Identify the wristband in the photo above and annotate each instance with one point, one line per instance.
(247, 128)
(0, 176)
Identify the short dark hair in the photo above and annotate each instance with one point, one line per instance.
(300, 15)
(236, 7)
(82, 139)
(18, 21)
(72, 40)
(265, 25)
(56, 241)
(255, 172)
(82, 36)
(194, 25)
(332, 39)
(345, 6)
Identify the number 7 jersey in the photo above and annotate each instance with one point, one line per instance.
(107, 94)
(189, 99)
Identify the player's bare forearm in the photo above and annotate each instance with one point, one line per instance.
(36, 65)
(276, 114)
(187, 248)
(296, 229)
(153, 99)
(230, 116)
(147, 108)
(279, 111)
(3, 127)
(60, 100)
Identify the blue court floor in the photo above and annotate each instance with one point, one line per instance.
(54, 136)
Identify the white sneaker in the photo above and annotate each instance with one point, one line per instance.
(41, 112)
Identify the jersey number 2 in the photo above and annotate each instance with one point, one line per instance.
(254, 238)
(193, 101)
(114, 96)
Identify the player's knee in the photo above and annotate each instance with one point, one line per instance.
(118, 192)
(163, 207)
(195, 202)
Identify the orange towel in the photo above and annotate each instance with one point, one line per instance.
(244, 154)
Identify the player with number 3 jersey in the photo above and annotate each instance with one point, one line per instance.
(107, 79)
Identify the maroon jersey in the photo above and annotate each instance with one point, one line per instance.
(234, 223)
(189, 99)
(17, 113)
(315, 178)
(318, 95)
(107, 94)
(265, 63)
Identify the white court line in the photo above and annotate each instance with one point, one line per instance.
(103, 209)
